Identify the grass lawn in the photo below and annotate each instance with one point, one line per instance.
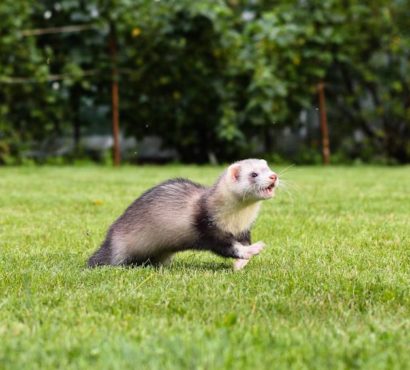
(330, 291)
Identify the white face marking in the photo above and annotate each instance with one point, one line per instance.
(253, 179)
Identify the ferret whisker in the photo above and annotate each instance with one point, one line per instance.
(284, 187)
(290, 191)
(286, 169)
(291, 184)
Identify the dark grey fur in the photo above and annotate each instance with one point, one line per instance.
(162, 198)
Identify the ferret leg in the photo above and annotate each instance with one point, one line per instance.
(244, 239)
(253, 250)
(162, 259)
(247, 252)
(237, 250)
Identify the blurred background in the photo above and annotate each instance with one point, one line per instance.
(204, 81)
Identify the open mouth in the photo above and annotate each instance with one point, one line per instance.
(268, 191)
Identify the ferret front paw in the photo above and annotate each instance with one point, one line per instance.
(257, 247)
(253, 250)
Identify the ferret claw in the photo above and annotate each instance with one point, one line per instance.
(252, 250)
(239, 264)
(256, 248)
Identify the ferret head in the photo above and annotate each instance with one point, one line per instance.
(252, 179)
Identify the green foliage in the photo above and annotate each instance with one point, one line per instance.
(209, 77)
(330, 290)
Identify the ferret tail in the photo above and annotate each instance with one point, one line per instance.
(101, 256)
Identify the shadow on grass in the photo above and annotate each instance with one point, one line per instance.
(199, 266)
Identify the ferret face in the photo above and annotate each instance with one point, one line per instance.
(252, 179)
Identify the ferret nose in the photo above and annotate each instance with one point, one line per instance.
(273, 177)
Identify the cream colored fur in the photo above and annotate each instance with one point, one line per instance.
(231, 214)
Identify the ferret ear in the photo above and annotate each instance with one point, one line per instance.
(234, 172)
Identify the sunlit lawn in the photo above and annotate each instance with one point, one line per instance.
(331, 290)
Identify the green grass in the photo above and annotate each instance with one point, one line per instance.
(330, 291)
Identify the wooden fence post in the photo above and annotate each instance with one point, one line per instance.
(114, 95)
(323, 123)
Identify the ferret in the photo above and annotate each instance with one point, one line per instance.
(179, 215)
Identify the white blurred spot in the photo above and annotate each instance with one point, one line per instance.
(94, 12)
(358, 135)
(55, 85)
(248, 15)
(47, 14)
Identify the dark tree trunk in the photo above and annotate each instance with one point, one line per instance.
(115, 94)
(75, 98)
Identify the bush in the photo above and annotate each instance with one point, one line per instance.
(208, 77)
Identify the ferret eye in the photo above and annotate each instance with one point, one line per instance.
(254, 174)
